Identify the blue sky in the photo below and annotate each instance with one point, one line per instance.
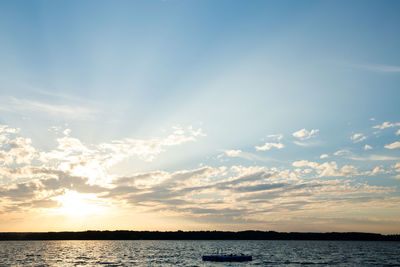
(271, 115)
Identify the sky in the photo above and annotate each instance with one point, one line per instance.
(200, 115)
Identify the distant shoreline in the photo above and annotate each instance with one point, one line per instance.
(195, 235)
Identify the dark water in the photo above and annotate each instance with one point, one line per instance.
(188, 253)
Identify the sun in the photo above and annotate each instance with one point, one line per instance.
(74, 204)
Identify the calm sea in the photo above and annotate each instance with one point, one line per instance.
(188, 253)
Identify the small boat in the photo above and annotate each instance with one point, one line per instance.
(225, 257)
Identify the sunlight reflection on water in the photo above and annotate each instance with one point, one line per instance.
(188, 253)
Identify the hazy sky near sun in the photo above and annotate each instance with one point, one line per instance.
(228, 115)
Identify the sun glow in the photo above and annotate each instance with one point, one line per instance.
(74, 204)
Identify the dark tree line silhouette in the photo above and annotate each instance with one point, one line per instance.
(195, 235)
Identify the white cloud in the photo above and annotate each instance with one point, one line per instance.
(374, 158)
(148, 149)
(358, 137)
(94, 161)
(71, 144)
(398, 132)
(331, 169)
(367, 147)
(397, 166)
(393, 145)
(55, 129)
(8, 130)
(179, 136)
(268, 146)
(233, 153)
(387, 124)
(328, 169)
(17, 150)
(324, 156)
(397, 169)
(305, 143)
(228, 195)
(3, 139)
(231, 195)
(305, 163)
(197, 195)
(8, 144)
(304, 134)
(341, 152)
(277, 137)
(377, 170)
(5, 158)
(348, 170)
(67, 132)
(240, 170)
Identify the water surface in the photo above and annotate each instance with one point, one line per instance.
(188, 253)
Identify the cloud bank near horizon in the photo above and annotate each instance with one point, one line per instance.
(35, 181)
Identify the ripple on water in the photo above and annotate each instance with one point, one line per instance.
(188, 253)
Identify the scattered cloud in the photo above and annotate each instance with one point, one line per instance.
(44, 180)
(305, 143)
(398, 132)
(373, 158)
(67, 132)
(94, 160)
(386, 124)
(277, 137)
(8, 130)
(148, 149)
(393, 145)
(304, 134)
(397, 169)
(241, 194)
(331, 169)
(341, 152)
(15, 150)
(324, 169)
(367, 147)
(233, 153)
(377, 170)
(358, 137)
(397, 166)
(249, 195)
(268, 146)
